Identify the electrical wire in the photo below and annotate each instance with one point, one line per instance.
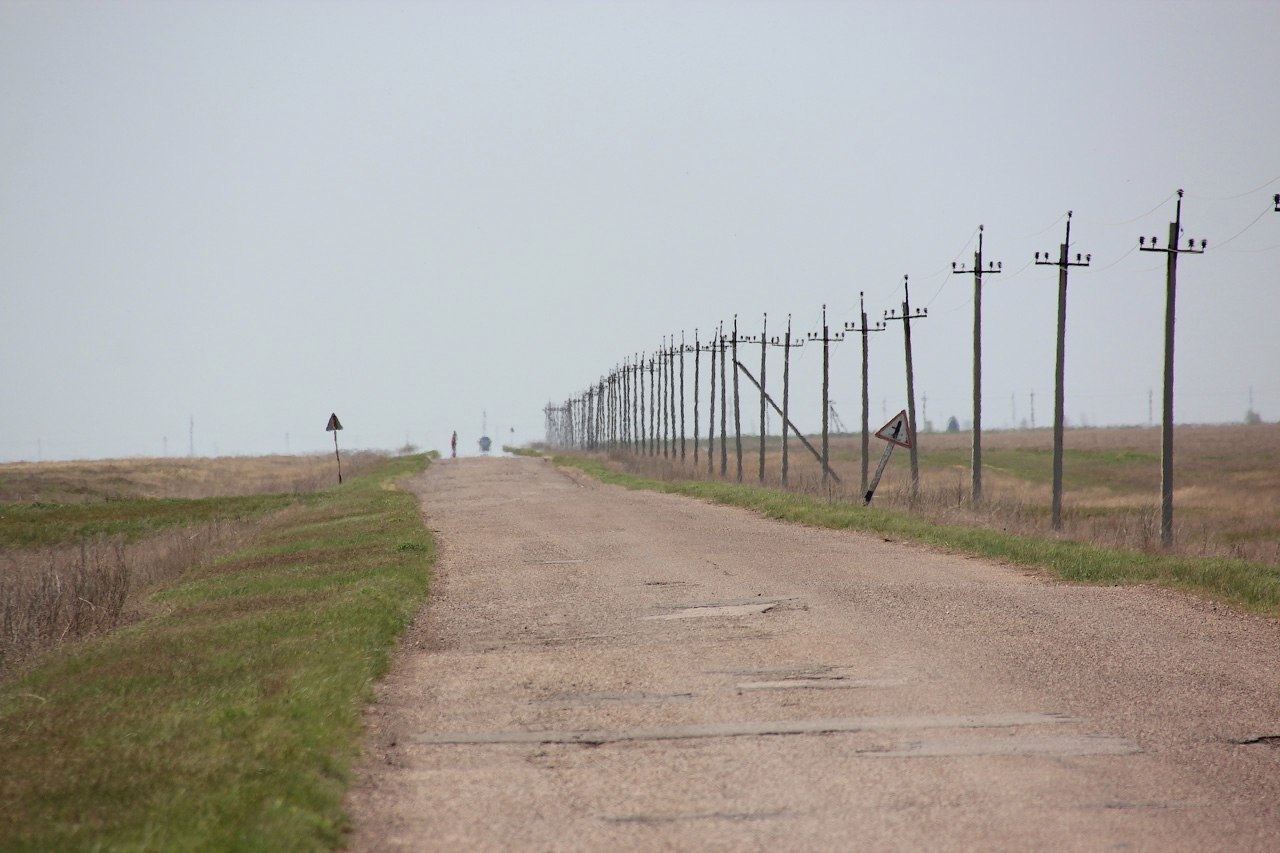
(1265, 211)
(1132, 249)
(1162, 202)
(1042, 230)
(1240, 195)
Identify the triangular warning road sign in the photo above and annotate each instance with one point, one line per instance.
(895, 431)
(334, 423)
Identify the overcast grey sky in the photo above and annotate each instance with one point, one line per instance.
(251, 214)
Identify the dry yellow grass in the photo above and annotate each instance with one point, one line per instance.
(1226, 500)
(173, 477)
(61, 593)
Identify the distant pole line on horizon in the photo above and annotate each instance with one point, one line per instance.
(614, 414)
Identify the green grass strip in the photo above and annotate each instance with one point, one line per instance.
(1249, 585)
(33, 525)
(230, 721)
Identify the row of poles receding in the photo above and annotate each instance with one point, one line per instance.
(639, 405)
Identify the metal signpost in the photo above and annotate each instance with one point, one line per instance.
(333, 426)
(897, 433)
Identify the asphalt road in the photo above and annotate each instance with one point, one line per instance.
(602, 669)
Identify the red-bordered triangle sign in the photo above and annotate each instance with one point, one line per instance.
(334, 424)
(895, 431)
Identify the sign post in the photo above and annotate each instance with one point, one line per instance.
(333, 426)
(896, 433)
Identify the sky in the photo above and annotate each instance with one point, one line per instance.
(222, 221)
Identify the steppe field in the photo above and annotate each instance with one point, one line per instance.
(187, 645)
(1226, 496)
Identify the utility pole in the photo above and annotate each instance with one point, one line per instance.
(724, 407)
(764, 349)
(826, 337)
(711, 421)
(787, 342)
(737, 409)
(637, 405)
(864, 329)
(1064, 263)
(653, 405)
(662, 393)
(763, 338)
(671, 391)
(1166, 433)
(978, 272)
(697, 368)
(643, 430)
(683, 348)
(906, 317)
(668, 399)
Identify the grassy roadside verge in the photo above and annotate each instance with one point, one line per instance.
(34, 525)
(230, 720)
(1249, 585)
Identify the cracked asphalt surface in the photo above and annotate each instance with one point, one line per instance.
(606, 669)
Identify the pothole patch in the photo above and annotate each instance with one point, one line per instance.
(1046, 745)
(838, 682)
(712, 611)
(599, 699)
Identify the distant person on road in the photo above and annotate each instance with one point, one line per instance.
(453, 444)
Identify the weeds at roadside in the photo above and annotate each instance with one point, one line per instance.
(227, 719)
(1252, 585)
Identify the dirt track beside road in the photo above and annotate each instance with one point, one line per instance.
(604, 669)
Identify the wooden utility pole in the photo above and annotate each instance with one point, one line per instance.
(683, 348)
(1166, 432)
(763, 339)
(711, 421)
(787, 342)
(737, 409)
(906, 317)
(671, 391)
(1064, 263)
(826, 337)
(978, 272)
(864, 329)
(644, 415)
(662, 393)
(637, 392)
(764, 348)
(697, 369)
(724, 407)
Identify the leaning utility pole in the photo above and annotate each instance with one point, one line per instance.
(864, 330)
(1064, 263)
(826, 337)
(978, 272)
(906, 318)
(1166, 433)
